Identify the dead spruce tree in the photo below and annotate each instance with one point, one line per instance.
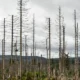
(76, 46)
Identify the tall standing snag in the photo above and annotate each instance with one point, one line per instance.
(12, 41)
(33, 41)
(60, 39)
(20, 39)
(47, 55)
(3, 60)
(3, 51)
(76, 46)
(49, 46)
(33, 34)
(63, 61)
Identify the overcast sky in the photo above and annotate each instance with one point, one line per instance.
(42, 10)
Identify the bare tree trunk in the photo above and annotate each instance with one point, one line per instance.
(33, 44)
(3, 59)
(49, 48)
(11, 48)
(63, 48)
(60, 40)
(41, 67)
(3, 51)
(47, 56)
(16, 60)
(26, 51)
(20, 39)
(31, 61)
(76, 47)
